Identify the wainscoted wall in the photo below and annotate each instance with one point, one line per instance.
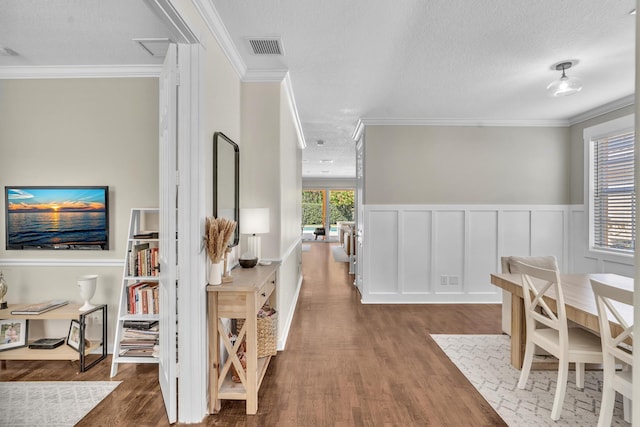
(445, 254)
(587, 261)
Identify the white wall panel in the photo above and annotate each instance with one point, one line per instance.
(548, 234)
(382, 249)
(415, 251)
(449, 247)
(515, 229)
(482, 251)
(584, 260)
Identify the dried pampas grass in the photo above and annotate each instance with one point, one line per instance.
(218, 232)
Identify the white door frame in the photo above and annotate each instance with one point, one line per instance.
(167, 209)
(191, 305)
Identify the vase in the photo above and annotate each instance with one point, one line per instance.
(215, 273)
(87, 285)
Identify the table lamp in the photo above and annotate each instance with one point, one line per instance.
(254, 221)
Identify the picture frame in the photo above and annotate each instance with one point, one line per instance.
(73, 337)
(13, 333)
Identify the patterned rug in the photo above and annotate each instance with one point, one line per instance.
(485, 361)
(36, 403)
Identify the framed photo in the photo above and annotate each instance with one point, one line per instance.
(73, 338)
(13, 333)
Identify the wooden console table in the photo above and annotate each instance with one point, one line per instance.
(240, 299)
(63, 352)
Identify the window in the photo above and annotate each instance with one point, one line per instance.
(612, 190)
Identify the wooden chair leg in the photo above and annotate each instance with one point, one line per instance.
(526, 365)
(561, 388)
(606, 406)
(580, 375)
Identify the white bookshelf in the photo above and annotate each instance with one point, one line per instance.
(141, 220)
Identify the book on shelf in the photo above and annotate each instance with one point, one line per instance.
(47, 343)
(142, 260)
(41, 307)
(146, 235)
(139, 352)
(143, 298)
(140, 324)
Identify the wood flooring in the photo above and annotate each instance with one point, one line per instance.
(345, 364)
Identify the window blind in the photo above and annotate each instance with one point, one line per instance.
(614, 193)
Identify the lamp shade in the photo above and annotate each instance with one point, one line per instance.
(565, 86)
(254, 220)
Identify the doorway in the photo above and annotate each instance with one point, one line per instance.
(327, 209)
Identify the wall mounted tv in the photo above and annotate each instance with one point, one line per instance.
(57, 218)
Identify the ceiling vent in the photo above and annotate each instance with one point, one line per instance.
(266, 46)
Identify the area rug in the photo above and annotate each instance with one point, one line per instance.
(485, 361)
(339, 255)
(62, 403)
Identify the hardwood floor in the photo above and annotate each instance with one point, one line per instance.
(345, 364)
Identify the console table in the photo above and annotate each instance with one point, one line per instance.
(240, 299)
(63, 352)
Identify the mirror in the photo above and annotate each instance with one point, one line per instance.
(226, 181)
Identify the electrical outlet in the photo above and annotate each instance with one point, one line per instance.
(444, 280)
(454, 280)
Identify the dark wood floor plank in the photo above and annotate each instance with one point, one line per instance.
(345, 364)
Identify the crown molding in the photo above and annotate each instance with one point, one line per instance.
(168, 13)
(265, 75)
(80, 71)
(381, 121)
(294, 111)
(213, 21)
(357, 132)
(603, 109)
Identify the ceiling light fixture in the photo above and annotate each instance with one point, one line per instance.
(564, 86)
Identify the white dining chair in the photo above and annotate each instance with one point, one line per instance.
(510, 266)
(614, 349)
(549, 330)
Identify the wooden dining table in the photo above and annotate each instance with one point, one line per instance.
(580, 304)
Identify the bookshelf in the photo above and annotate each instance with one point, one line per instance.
(139, 299)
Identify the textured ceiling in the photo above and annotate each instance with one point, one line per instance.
(456, 62)
(439, 61)
(78, 32)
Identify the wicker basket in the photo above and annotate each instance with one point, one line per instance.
(267, 331)
(267, 334)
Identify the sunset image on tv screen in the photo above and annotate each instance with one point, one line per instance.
(57, 217)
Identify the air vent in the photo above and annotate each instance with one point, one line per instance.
(265, 46)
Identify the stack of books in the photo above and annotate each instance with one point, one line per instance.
(40, 308)
(143, 298)
(140, 338)
(143, 260)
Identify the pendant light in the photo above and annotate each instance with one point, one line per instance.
(564, 86)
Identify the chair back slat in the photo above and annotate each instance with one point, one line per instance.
(608, 301)
(538, 283)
